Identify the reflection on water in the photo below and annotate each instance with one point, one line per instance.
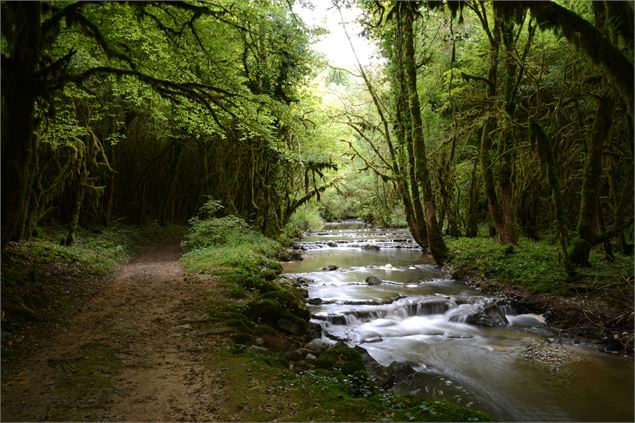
(414, 313)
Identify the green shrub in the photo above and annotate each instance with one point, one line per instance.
(305, 218)
(223, 244)
(534, 264)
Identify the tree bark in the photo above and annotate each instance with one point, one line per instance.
(437, 245)
(587, 218)
(20, 88)
(471, 227)
(486, 140)
(545, 152)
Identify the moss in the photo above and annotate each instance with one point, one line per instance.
(267, 274)
(343, 358)
(266, 310)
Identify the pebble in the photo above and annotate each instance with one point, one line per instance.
(550, 356)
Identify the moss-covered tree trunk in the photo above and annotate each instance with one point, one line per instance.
(545, 152)
(437, 245)
(487, 139)
(506, 140)
(586, 228)
(471, 225)
(408, 181)
(411, 198)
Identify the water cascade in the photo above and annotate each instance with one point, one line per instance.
(373, 288)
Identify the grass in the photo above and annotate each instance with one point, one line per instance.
(536, 265)
(249, 306)
(272, 391)
(96, 251)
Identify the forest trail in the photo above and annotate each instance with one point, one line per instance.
(128, 354)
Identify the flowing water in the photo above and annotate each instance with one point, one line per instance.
(415, 313)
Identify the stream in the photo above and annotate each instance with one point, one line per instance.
(392, 300)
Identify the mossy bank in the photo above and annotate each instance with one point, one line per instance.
(269, 357)
(595, 305)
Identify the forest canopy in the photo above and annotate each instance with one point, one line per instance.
(140, 110)
(512, 117)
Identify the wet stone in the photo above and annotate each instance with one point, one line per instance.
(373, 280)
(303, 281)
(295, 355)
(290, 327)
(370, 247)
(490, 316)
(315, 330)
(316, 346)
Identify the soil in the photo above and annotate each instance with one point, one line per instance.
(133, 351)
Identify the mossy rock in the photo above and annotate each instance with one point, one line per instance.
(265, 309)
(267, 286)
(267, 274)
(288, 297)
(343, 358)
(274, 266)
(293, 324)
(243, 278)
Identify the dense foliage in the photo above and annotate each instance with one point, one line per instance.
(139, 110)
(517, 115)
(526, 126)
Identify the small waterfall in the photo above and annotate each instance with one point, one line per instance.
(400, 307)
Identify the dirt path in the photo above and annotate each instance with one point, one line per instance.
(131, 353)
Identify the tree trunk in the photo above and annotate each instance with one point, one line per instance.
(545, 152)
(506, 139)
(170, 201)
(408, 180)
(486, 140)
(77, 207)
(471, 227)
(586, 228)
(20, 88)
(437, 245)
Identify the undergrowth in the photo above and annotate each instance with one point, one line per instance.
(245, 261)
(536, 265)
(322, 394)
(222, 244)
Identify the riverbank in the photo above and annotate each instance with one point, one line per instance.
(595, 307)
(150, 340)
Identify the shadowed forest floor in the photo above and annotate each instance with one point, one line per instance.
(130, 353)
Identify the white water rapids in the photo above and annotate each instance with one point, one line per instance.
(390, 299)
